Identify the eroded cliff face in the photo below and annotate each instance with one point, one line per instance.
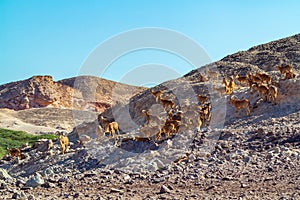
(43, 91)
(35, 92)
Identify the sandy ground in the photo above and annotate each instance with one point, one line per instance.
(41, 120)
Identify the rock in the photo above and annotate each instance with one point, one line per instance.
(164, 189)
(228, 157)
(35, 181)
(269, 156)
(48, 185)
(20, 183)
(126, 178)
(63, 179)
(246, 159)
(81, 153)
(91, 174)
(3, 186)
(19, 195)
(76, 195)
(84, 139)
(115, 190)
(4, 175)
(43, 145)
(260, 133)
(43, 91)
(211, 187)
(31, 197)
(224, 144)
(47, 172)
(276, 150)
(99, 198)
(158, 180)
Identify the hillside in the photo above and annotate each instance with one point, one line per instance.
(262, 58)
(232, 156)
(41, 105)
(94, 94)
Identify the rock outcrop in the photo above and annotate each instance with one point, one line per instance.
(94, 94)
(35, 92)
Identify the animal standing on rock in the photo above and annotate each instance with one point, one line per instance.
(199, 122)
(284, 69)
(147, 115)
(265, 78)
(202, 99)
(231, 85)
(205, 114)
(64, 142)
(110, 127)
(273, 93)
(290, 75)
(263, 90)
(156, 94)
(226, 85)
(167, 103)
(253, 79)
(175, 116)
(170, 127)
(202, 78)
(240, 104)
(15, 152)
(151, 118)
(242, 79)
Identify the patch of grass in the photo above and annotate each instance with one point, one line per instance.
(14, 139)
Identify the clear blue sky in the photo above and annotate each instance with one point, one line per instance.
(40, 37)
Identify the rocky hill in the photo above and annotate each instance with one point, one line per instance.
(92, 93)
(262, 58)
(41, 105)
(234, 156)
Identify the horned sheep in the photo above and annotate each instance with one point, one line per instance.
(263, 90)
(265, 78)
(110, 127)
(240, 104)
(64, 142)
(156, 94)
(273, 93)
(167, 103)
(284, 69)
(242, 79)
(14, 152)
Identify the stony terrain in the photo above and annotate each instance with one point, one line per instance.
(235, 157)
(44, 120)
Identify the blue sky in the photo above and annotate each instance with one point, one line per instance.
(54, 37)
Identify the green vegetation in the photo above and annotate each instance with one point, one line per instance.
(14, 139)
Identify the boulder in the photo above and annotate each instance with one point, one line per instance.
(43, 145)
(4, 175)
(35, 181)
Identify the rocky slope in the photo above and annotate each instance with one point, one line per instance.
(235, 157)
(183, 91)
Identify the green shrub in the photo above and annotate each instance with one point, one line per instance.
(14, 139)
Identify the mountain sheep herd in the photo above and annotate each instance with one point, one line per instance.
(180, 119)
